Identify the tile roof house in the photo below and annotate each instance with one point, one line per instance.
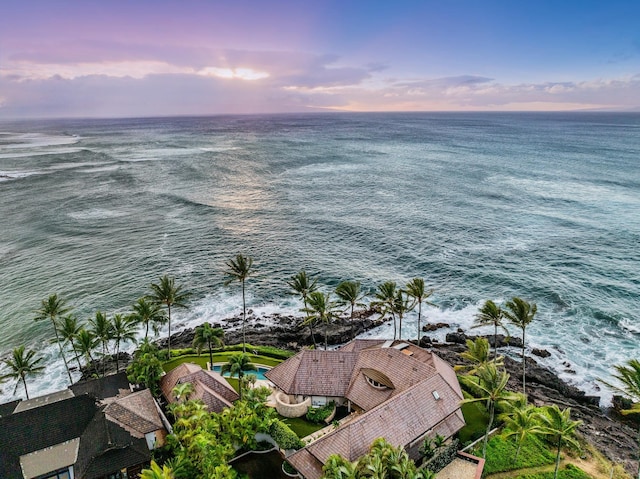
(65, 435)
(399, 391)
(209, 386)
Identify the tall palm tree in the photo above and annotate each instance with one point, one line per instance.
(239, 270)
(558, 424)
(521, 423)
(477, 354)
(102, 328)
(68, 330)
(148, 313)
(86, 342)
(386, 300)
(349, 294)
(491, 315)
(123, 328)
(321, 309)
(402, 306)
(237, 365)
(302, 285)
(492, 383)
(21, 366)
(168, 294)
(207, 334)
(415, 289)
(52, 308)
(520, 313)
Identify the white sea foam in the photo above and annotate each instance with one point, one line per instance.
(96, 214)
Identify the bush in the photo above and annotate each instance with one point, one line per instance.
(441, 456)
(268, 351)
(284, 436)
(319, 414)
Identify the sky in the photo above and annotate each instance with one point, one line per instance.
(136, 58)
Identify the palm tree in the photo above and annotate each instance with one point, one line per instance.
(123, 328)
(22, 365)
(86, 342)
(182, 391)
(491, 382)
(415, 289)
(52, 308)
(477, 354)
(237, 365)
(102, 328)
(558, 424)
(521, 422)
(386, 300)
(68, 330)
(239, 270)
(148, 313)
(349, 294)
(322, 309)
(402, 306)
(521, 313)
(491, 315)
(302, 285)
(168, 294)
(206, 334)
(629, 377)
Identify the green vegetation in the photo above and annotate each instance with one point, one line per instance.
(476, 418)
(349, 294)
(146, 368)
(22, 365)
(570, 472)
(239, 270)
(284, 435)
(320, 414)
(303, 285)
(520, 313)
(168, 294)
(238, 365)
(415, 289)
(301, 426)
(217, 358)
(501, 453)
(321, 309)
(52, 308)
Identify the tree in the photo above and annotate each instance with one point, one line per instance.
(52, 308)
(491, 315)
(22, 365)
(386, 301)
(237, 365)
(629, 378)
(477, 354)
(402, 306)
(68, 329)
(182, 391)
(123, 328)
(239, 270)
(146, 368)
(148, 313)
(102, 329)
(168, 294)
(349, 294)
(558, 425)
(302, 285)
(521, 313)
(86, 342)
(321, 309)
(520, 423)
(206, 334)
(415, 289)
(491, 383)
(157, 472)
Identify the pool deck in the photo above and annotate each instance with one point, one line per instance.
(464, 466)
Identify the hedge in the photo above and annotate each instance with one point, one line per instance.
(319, 414)
(284, 436)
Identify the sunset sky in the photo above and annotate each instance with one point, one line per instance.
(117, 58)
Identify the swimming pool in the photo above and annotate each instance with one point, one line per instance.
(259, 373)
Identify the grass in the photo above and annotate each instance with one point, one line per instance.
(501, 453)
(301, 426)
(476, 417)
(203, 359)
(569, 472)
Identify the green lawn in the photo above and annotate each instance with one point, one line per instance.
(501, 453)
(203, 359)
(301, 426)
(476, 417)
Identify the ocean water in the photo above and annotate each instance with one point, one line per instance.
(483, 206)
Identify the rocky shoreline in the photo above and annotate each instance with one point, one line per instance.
(605, 429)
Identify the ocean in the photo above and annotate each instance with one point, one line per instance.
(544, 206)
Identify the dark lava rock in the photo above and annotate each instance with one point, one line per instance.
(434, 326)
(456, 338)
(541, 353)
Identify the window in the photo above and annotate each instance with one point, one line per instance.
(375, 383)
(64, 473)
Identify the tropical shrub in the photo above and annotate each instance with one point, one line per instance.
(284, 436)
(442, 455)
(320, 414)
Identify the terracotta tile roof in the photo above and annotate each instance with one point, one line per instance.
(137, 413)
(318, 373)
(209, 386)
(360, 344)
(306, 464)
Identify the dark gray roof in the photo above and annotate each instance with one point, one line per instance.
(102, 388)
(8, 407)
(41, 427)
